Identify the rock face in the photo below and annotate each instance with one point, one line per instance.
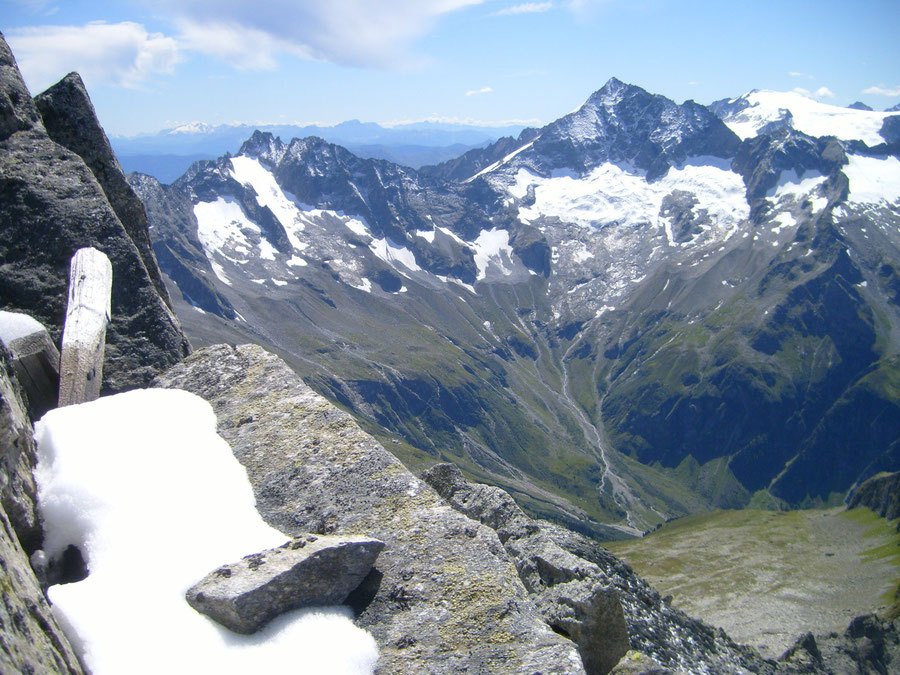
(444, 592)
(51, 205)
(586, 592)
(30, 639)
(574, 595)
(881, 493)
(70, 120)
(869, 645)
(307, 571)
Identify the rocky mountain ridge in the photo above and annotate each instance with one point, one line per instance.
(691, 319)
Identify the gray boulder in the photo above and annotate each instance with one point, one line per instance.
(444, 596)
(307, 571)
(573, 595)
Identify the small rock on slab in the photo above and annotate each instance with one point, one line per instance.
(309, 570)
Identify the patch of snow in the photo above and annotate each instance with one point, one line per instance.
(266, 250)
(501, 162)
(248, 170)
(365, 285)
(279, 282)
(14, 325)
(357, 226)
(784, 219)
(492, 247)
(427, 235)
(818, 203)
(297, 261)
(809, 116)
(220, 272)
(100, 469)
(873, 179)
(581, 254)
(221, 225)
(391, 253)
(789, 183)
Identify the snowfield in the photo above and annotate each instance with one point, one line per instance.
(809, 116)
(873, 179)
(614, 194)
(141, 483)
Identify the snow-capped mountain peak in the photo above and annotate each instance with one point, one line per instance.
(758, 110)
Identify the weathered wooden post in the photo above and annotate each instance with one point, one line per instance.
(84, 334)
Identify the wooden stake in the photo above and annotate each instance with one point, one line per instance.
(84, 334)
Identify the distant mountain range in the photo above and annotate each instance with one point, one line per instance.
(167, 154)
(640, 310)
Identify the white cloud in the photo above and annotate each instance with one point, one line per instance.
(881, 90)
(525, 8)
(119, 54)
(349, 32)
(476, 92)
(802, 91)
(824, 92)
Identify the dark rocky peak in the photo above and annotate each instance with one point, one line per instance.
(51, 204)
(725, 107)
(890, 129)
(859, 105)
(471, 162)
(71, 121)
(265, 147)
(893, 108)
(17, 109)
(624, 123)
(761, 160)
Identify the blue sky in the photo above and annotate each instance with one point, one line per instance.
(155, 64)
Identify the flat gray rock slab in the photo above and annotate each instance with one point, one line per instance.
(307, 571)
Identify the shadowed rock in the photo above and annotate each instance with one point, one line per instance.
(30, 639)
(308, 571)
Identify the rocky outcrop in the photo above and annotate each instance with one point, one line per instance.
(50, 206)
(70, 120)
(18, 457)
(574, 595)
(30, 639)
(566, 570)
(307, 571)
(444, 591)
(881, 493)
(869, 645)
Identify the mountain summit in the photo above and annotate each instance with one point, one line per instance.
(640, 310)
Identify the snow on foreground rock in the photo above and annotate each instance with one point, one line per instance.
(154, 499)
